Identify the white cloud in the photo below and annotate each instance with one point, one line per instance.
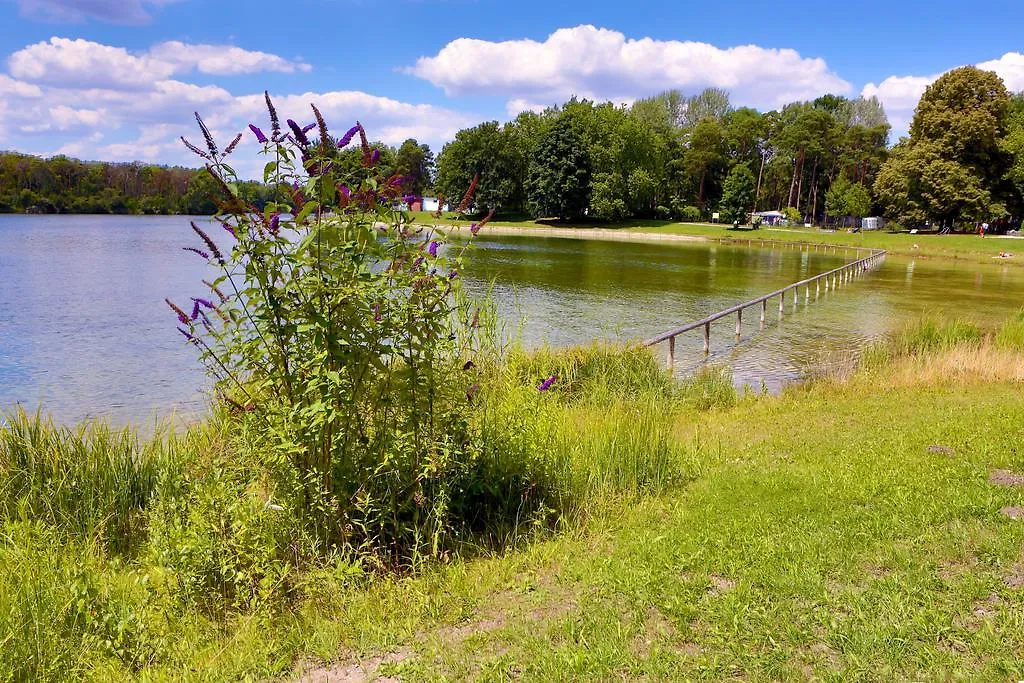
(223, 60)
(517, 106)
(1010, 68)
(99, 101)
(604, 65)
(84, 63)
(116, 11)
(900, 94)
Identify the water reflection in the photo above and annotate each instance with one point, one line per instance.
(84, 331)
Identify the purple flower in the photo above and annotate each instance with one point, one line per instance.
(195, 309)
(197, 251)
(432, 249)
(229, 228)
(417, 262)
(376, 313)
(347, 137)
(275, 223)
(300, 134)
(546, 384)
(474, 229)
(375, 157)
(345, 191)
(308, 128)
(259, 134)
(205, 303)
(452, 275)
(410, 199)
(187, 334)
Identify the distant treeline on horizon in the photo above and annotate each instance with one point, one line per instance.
(31, 184)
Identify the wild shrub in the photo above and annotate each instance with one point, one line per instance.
(338, 333)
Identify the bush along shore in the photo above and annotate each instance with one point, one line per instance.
(381, 489)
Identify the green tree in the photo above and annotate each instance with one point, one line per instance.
(952, 167)
(737, 194)
(416, 163)
(486, 150)
(706, 157)
(559, 180)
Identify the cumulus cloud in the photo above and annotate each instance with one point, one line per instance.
(100, 101)
(603, 64)
(84, 63)
(900, 94)
(115, 11)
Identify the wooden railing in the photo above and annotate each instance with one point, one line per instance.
(837, 277)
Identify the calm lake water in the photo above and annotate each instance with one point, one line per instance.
(84, 331)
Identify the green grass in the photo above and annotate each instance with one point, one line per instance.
(843, 530)
(969, 247)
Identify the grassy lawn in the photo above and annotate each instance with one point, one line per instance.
(959, 246)
(840, 531)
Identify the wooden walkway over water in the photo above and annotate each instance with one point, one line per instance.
(835, 278)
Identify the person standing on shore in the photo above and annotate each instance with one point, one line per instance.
(983, 229)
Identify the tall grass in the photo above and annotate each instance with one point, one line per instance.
(1011, 333)
(90, 482)
(922, 338)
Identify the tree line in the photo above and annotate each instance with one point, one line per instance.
(825, 161)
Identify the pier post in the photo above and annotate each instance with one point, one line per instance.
(671, 360)
(739, 322)
(707, 338)
(764, 309)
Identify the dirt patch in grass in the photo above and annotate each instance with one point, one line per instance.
(1015, 579)
(941, 450)
(1013, 512)
(720, 585)
(357, 671)
(1006, 478)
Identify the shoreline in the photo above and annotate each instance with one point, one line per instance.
(607, 234)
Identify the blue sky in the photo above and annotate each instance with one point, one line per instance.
(118, 79)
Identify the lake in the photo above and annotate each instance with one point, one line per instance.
(84, 331)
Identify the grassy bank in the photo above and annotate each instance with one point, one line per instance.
(846, 529)
(959, 246)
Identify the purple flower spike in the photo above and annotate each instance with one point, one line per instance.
(275, 223)
(546, 384)
(452, 275)
(205, 303)
(195, 309)
(375, 157)
(309, 128)
(259, 134)
(229, 228)
(345, 191)
(187, 334)
(410, 199)
(197, 251)
(347, 137)
(432, 249)
(474, 229)
(300, 135)
(417, 262)
(376, 313)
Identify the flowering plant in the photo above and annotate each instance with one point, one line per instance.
(338, 332)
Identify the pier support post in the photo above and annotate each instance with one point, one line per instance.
(670, 361)
(739, 323)
(764, 309)
(707, 338)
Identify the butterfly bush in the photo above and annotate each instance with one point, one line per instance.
(338, 333)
